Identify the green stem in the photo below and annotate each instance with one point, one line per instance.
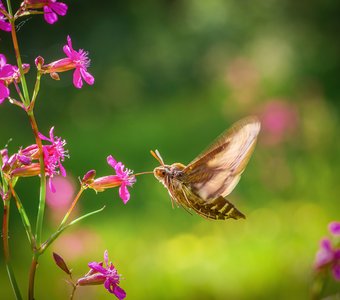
(18, 56)
(42, 196)
(36, 91)
(33, 268)
(9, 269)
(24, 217)
(71, 208)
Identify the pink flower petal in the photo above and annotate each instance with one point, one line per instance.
(3, 60)
(87, 76)
(50, 16)
(111, 161)
(77, 80)
(124, 193)
(5, 26)
(119, 292)
(4, 92)
(6, 71)
(59, 7)
(51, 186)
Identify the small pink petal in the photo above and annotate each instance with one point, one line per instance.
(51, 186)
(3, 60)
(59, 7)
(77, 80)
(87, 76)
(50, 16)
(119, 292)
(4, 92)
(124, 193)
(111, 161)
(106, 258)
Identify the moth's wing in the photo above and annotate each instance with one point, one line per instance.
(217, 170)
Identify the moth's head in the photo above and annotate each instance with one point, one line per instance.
(161, 171)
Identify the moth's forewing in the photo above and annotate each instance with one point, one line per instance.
(217, 170)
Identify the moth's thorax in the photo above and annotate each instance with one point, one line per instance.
(168, 172)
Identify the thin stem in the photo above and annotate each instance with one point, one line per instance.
(54, 236)
(24, 217)
(9, 269)
(18, 57)
(18, 91)
(42, 196)
(73, 291)
(32, 277)
(36, 91)
(71, 208)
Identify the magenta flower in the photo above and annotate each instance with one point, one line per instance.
(106, 275)
(123, 179)
(328, 255)
(25, 163)
(6, 73)
(51, 8)
(77, 60)
(54, 154)
(4, 24)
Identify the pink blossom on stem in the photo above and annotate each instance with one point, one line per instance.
(25, 162)
(4, 24)
(54, 154)
(52, 8)
(123, 179)
(106, 274)
(77, 60)
(328, 255)
(6, 73)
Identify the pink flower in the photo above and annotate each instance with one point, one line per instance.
(4, 24)
(104, 274)
(123, 179)
(77, 60)
(52, 9)
(54, 154)
(6, 73)
(328, 255)
(25, 163)
(279, 121)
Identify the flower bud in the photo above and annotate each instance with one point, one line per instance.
(39, 62)
(89, 177)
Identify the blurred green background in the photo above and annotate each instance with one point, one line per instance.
(172, 75)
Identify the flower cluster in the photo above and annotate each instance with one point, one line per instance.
(328, 255)
(123, 179)
(25, 162)
(106, 274)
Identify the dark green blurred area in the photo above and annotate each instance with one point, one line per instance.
(173, 75)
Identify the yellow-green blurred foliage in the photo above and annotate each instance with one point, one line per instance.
(172, 75)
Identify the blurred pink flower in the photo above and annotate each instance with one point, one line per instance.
(328, 255)
(65, 190)
(77, 60)
(52, 8)
(104, 274)
(279, 120)
(123, 179)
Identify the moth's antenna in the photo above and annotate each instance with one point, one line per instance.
(157, 156)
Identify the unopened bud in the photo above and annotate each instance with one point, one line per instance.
(39, 61)
(89, 177)
(54, 76)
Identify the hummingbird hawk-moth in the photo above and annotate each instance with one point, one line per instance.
(202, 185)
